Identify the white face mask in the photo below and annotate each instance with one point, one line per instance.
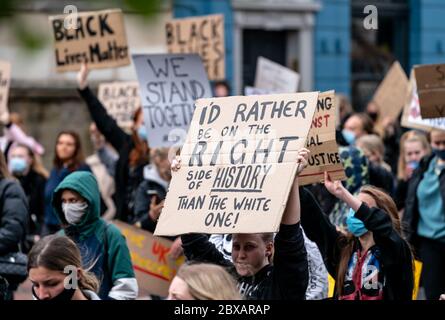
(74, 211)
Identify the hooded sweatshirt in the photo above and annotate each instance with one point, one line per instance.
(102, 246)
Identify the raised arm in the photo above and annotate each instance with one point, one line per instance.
(291, 275)
(104, 122)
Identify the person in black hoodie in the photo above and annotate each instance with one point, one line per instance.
(132, 149)
(285, 277)
(372, 261)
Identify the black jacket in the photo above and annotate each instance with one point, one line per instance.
(13, 216)
(411, 213)
(33, 185)
(123, 143)
(396, 258)
(152, 185)
(287, 279)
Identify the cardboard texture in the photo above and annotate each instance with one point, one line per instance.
(5, 81)
(99, 40)
(390, 96)
(201, 35)
(322, 144)
(169, 85)
(149, 254)
(430, 82)
(238, 164)
(412, 117)
(121, 99)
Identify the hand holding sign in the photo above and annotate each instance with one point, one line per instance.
(302, 160)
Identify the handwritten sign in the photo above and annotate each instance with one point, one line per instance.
(322, 144)
(391, 94)
(274, 77)
(201, 35)
(170, 84)
(5, 80)
(121, 99)
(430, 82)
(149, 254)
(412, 117)
(238, 164)
(99, 40)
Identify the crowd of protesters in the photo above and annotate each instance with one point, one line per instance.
(365, 232)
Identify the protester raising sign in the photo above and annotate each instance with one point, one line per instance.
(121, 99)
(169, 85)
(411, 113)
(391, 94)
(153, 267)
(430, 82)
(322, 144)
(5, 79)
(202, 35)
(274, 77)
(238, 164)
(98, 39)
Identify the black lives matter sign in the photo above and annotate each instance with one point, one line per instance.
(238, 164)
(201, 35)
(98, 38)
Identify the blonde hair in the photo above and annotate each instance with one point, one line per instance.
(207, 281)
(374, 144)
(410, 136)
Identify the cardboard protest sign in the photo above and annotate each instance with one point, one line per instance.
(322, 144)
(121, 99)
(274, 77)
(201, 35)
(5, 80)
(391, 94)
(99, 40)
(149, 254)
(430, 82)
(411, 117)
(169, 85)
(238, 164)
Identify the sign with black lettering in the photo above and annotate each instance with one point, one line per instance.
(121, 99)
(169, 85)
(5, 80)
(99, 40)
(322, 144)
(411, 113)
(238, 164)
(153, 266)
(391, 94)
(274, 77)
(201, 35)
(430, 82)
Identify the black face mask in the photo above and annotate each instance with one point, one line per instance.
(65, 295)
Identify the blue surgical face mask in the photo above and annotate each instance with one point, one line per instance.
(355, 226)
(17, 165)
(413, 164)
(439, 153)
(142, 133)
(349, 136)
